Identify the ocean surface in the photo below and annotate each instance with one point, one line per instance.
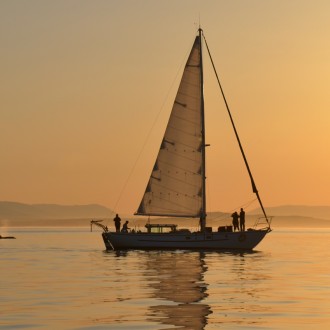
(61, 278)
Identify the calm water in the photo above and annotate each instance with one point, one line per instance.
(61, 278)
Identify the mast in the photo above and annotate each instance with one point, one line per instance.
(203, 170)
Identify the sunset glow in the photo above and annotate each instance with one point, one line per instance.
(82, 83)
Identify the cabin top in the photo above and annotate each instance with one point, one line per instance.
(160, 228)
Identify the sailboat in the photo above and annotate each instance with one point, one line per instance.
(177, 184)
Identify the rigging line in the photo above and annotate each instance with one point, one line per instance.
(247, 204)
(148, 135)
(254, 188)
(227, 215)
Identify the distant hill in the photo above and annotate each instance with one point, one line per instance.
(20, 211)
(319, 212)
(299, 222)
(14, 214)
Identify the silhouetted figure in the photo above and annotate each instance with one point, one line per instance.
(201, 222)
(242, 220)
(235, 220)
(125, 227)
(117, 223)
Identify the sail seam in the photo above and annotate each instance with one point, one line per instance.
(178, 167)
(174, 179)
(186, 120)
(192, 149)
(182, 131)
(183, 157)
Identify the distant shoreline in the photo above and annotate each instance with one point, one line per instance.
(14, 214)
(278, 222)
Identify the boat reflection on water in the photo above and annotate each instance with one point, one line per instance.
(177, 280)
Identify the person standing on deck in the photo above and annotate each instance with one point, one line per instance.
(117, 223)
(242, 220)
(235, 221)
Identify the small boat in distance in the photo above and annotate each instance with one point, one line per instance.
(177, 184)
(7, 237)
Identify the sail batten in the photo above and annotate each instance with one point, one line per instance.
(176, 179)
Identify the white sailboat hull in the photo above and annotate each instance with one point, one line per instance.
(209, 241)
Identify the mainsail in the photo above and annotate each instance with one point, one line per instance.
(175, 187)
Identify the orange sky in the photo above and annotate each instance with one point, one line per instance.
(83, 81)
